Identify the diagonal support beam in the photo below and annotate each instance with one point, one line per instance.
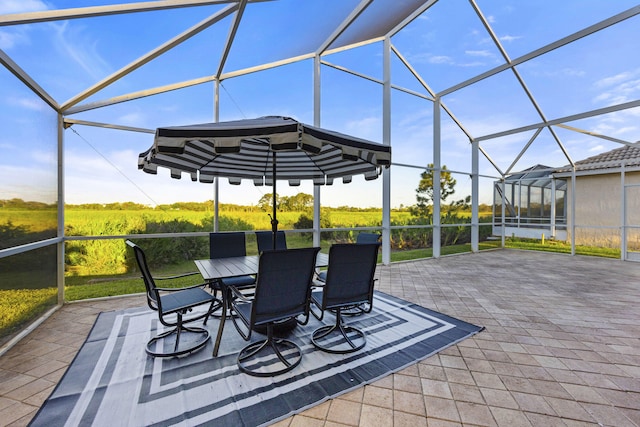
(151, 56)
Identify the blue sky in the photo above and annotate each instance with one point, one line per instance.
(446, 45)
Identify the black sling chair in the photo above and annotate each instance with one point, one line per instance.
(283, 288)
(349, 284)
(172, 304)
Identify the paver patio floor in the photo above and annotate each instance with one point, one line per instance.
(561, 347)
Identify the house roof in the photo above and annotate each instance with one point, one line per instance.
(629, 155)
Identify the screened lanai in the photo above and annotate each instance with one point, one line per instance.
(483, 88)
(533, 203)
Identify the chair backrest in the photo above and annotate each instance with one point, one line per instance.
(225, 245)
(283, 285)
(265, 240)
(368, 238)
(350, 275)
(147, 278)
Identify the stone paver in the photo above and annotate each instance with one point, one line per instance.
(561, 347)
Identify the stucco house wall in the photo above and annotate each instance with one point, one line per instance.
(598, 208)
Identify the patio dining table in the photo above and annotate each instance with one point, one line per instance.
(215, 269)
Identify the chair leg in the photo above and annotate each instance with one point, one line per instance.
(288, 355)
(213, 308)
(331, 338)
(201, 337)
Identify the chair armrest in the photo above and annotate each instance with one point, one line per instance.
(200, 285)
(236, 294)
(178, 276)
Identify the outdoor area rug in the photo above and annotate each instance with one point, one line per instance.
(113, 382)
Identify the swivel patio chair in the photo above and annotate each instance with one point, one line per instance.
(265, 240)
(349, 284)
(172, 304)
(282, 292)
(361, 238)
(226, 245)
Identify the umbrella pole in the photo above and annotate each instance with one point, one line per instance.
(274, 219)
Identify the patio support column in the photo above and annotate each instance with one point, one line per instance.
(316, 122)
(216, 186)
(475, 178)
(623, 213)
(573, 211)
(436, 177)
(503, 212)
(552, 220)
(60, 234)
(386, 140)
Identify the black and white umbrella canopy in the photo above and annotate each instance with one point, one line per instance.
(262, 150)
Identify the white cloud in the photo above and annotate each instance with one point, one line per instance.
(367, 128)
(28, 103)
(22, 6)
(10, 39)
(618, 89)
(566, 71)
(135, 119)
(617, 79)
(471, 64)
(441, 59)
(26, 182)
(509, 39)
(483, 53)
(596, 149)
(83, 51)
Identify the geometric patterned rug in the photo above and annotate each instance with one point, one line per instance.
(113, 382)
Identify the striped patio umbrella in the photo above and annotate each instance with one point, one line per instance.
(263, 150)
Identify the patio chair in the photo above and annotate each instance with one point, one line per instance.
(360, 239)
(265, 240)
(225, 245)
(368, 238)
(282, 292)
(172, 304)
(349, 284)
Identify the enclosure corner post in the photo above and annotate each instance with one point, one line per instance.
(436, 177)
(475, 185)
(316, 122)
(386, 140)
(60, 234)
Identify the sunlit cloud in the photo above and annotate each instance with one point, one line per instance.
(26, 182)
